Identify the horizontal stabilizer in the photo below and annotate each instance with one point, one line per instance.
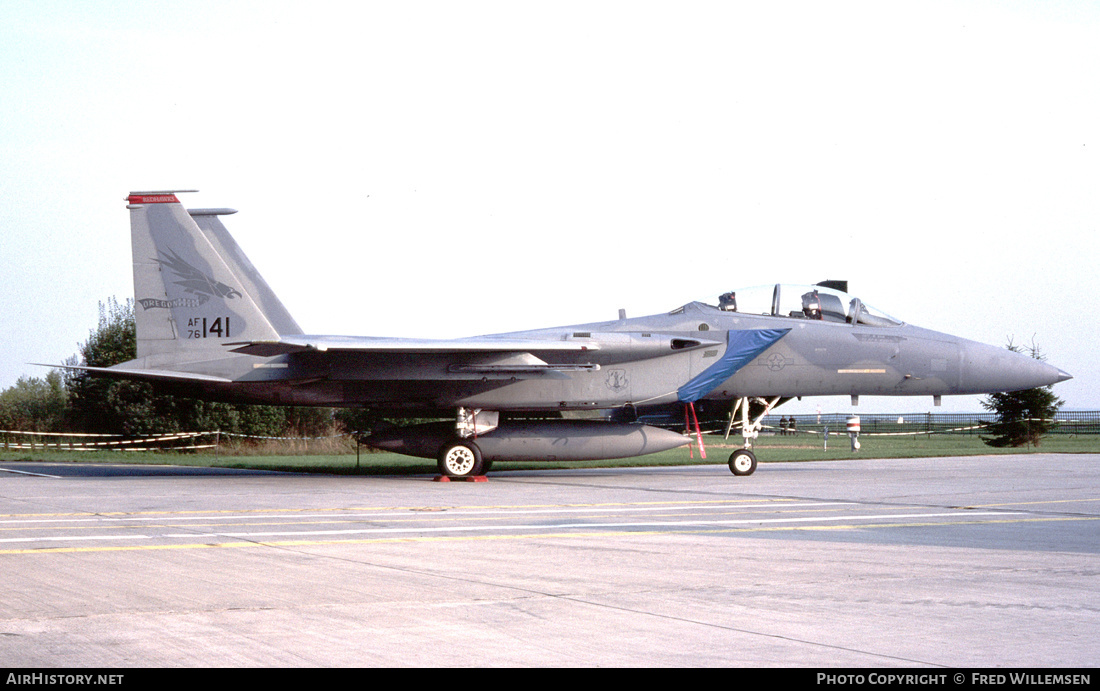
(144, 374)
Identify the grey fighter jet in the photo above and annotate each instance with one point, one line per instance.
(208, 326)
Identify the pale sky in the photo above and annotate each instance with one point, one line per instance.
(445, 169)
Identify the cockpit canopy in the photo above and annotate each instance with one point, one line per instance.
(820, 302)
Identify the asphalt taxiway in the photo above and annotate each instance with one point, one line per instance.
(976, 561)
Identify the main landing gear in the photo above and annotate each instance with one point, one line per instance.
(461, 457)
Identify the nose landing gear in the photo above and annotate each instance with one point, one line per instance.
(743, 461)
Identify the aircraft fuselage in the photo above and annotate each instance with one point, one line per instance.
(640, 361)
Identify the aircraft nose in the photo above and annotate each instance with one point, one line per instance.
(989, 369)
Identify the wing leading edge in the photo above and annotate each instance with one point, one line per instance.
(302, 344)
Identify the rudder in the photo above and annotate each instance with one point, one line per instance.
(246, 274)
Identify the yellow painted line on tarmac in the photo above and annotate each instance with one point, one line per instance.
(1031, 503)
(538, 536)
(215, 512)
(679, 511)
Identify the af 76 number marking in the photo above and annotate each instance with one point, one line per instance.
(204, 328)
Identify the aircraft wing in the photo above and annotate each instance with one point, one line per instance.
(486, 355)
(300, 344)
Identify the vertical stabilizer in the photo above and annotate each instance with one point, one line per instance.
(188, 291)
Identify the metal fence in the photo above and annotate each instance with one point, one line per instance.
(14, 440)
(1072, 422)
(1068, 422)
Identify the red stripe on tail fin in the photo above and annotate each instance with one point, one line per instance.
(152, 199)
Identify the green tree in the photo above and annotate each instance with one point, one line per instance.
(1023, 417)
(356, 419)
(110, 406)
(34, 404)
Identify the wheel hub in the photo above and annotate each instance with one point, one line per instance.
(459, 460)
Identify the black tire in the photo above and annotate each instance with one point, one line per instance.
(742, 462)
(461, 459)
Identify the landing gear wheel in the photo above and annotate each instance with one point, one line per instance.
(461, 459)
(742, 462)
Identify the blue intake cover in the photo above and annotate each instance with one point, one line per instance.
(742, 347)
